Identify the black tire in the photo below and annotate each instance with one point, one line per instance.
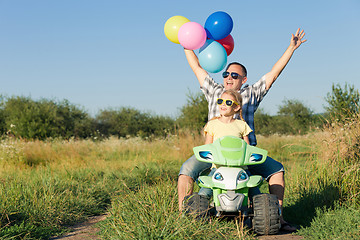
(196, 205)
(266, 220)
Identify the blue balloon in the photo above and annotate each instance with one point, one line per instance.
(212, 56)
(218, 25)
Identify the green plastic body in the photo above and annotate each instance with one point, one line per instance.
(231, 152)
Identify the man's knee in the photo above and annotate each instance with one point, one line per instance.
(185, 185)
(185, 178)
(277, 178)
(267, 169)
(192, 168)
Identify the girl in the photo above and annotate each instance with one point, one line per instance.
(230, 104)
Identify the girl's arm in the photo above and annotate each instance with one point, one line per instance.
(246, 139)
(208, 138)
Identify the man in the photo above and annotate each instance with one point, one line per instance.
(235, 77)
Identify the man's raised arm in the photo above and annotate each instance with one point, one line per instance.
(193, 61)
(295, 42)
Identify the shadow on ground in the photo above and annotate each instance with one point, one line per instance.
(303, 210)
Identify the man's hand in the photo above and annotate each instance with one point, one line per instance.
(297, 39)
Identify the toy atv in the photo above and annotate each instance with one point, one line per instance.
(230, 185)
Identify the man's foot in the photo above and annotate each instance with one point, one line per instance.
(286, 227)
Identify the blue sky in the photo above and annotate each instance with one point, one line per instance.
(111, 54)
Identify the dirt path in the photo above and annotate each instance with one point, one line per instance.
(281, 236)
(85, 230)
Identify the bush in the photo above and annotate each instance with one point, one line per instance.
(26, 118)
(194, 115)
(293, 118)
(342, 102)
(126, 122)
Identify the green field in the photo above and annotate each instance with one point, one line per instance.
(46, 186)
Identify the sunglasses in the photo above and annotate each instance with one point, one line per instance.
(228, 102)
(233, 75)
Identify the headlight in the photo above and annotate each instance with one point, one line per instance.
(242, 176)
(255, 157)
(206, 155)
(218, 177)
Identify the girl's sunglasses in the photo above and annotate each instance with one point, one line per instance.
(233, 75)
(228, 102)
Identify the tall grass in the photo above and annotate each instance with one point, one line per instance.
(47, 185)
(326, 188)
(338, 222)
(152, 213)
(342, 158)
(334, 162)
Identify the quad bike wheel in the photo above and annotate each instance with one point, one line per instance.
(266, 220)
(196, 205)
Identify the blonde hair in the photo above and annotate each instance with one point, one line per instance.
(237, 97)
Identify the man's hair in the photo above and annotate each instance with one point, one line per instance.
(239, 64)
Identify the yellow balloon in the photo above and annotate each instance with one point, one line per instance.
(172, 27)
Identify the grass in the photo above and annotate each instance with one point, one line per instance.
(338, 222)
(152, 213)
(46, 186)
(38, 203)
(325, 190)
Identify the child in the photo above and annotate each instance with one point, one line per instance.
(229, 104)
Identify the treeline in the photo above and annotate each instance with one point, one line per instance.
(25, 118)
(293, 117)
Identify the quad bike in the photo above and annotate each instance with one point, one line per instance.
(230, 184)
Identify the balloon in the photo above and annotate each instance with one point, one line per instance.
(212, 56)
(227, 43)
(172, 27)
(218, 25)
(192, 35)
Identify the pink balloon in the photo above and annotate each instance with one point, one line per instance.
(192, 35)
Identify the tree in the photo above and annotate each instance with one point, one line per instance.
(342, 102)
(293, 118)
(194, 115)
(264, 123)
(298, 116)
(127, 121)
(2, 115)
(41, 119)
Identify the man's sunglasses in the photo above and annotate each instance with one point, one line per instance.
(228, 102)
(233, 75)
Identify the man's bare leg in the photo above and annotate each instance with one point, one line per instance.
(185, 187)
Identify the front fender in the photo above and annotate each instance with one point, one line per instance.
(205, 181)
(254, 181)
(230, 151)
